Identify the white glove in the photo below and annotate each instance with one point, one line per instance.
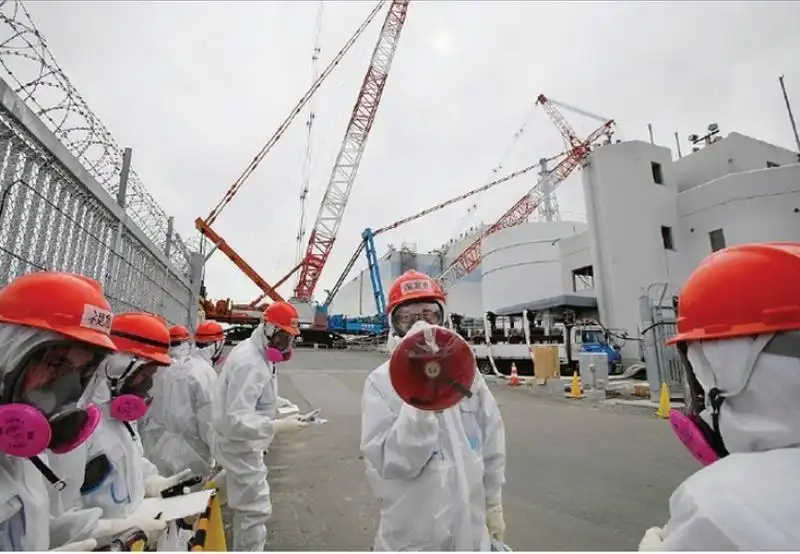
(288, 424)
(111, 527)
(78, 546)
(495, 522)
(285, 403)
(653, 540)
(154, 484)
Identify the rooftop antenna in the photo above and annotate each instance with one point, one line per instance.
(791, 116)
(708, 139)
(650, 131)
(678, 144)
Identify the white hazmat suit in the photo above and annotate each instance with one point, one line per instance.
(34, 515)
(152, 425)
(187, 424)
(434, 473)
(749, 499)
(245, 407)
(122, 476)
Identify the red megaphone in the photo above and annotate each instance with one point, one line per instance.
(432, 368)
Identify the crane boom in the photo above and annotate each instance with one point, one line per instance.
(329, 217)
(470, 258)
(234, 188)
(246, 268)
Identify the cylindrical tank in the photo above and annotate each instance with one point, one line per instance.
(522, 264)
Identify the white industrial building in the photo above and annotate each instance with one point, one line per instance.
(650, 220)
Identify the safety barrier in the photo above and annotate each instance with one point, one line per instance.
(54, 216)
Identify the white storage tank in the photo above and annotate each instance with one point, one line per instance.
(523, 264)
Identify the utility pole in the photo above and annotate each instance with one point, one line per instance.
(791, 115)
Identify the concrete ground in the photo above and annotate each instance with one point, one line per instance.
(578, 477)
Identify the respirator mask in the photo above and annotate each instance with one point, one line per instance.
(39, 407)
(130, 398)
(279, 343)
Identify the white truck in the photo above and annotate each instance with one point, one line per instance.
(579, 337)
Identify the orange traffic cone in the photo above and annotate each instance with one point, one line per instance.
(513, 380)
(575, 389)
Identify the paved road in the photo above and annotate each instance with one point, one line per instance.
(578, 478)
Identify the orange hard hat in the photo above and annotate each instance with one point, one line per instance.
(413, 285)
(143, 335)
(284, 316)
(748, 289)
(209, 331)
(178, 334)
(66, 303)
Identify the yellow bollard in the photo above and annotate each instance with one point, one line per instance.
(663, 402)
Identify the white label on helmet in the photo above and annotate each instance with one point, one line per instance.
(418, 285)
(96, 318)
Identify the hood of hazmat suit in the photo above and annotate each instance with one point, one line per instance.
(152, 425)
(244, 405)
(187, 423)
(26, 522)
(116, 467)
(748, 499)
(434, 472)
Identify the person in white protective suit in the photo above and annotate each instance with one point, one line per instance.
(54, 330)
(739, 337)
(187, 423)
(245, 411)
(412, 455)
(117, 475)
(151, 426)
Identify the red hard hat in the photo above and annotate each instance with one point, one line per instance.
(428, 378)
(284, 316)
(209, 331)
(143, 335)
(748, 289)
(178, 334)
(413, 285)
(66, 303)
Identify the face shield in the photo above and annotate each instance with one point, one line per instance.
(211, 351)
(41, 409)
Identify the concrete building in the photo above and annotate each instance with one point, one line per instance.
(651, 220)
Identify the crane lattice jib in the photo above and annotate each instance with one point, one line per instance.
(345, 168)
(234, 188)
(470, 258)
(566, 130)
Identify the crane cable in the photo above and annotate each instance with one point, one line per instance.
(306, 175)
(460, 224)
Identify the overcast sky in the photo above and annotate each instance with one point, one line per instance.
(196, 89)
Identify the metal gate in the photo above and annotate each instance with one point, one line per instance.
(658, 325)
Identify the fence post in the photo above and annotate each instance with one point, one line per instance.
(648, 336)
(112, 279)
(196, 263)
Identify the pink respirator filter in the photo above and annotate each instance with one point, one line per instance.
(274, 355)
(24, 431)
(692, 437)
(95, 415)
(128, 407)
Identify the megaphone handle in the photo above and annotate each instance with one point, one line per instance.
(460, 388)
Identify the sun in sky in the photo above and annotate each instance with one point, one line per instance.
(443, 43)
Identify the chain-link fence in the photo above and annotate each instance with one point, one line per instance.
(49, 220)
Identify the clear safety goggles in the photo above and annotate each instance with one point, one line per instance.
(55, 375)
(406, 315)
(136, 379)
(281, 340)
